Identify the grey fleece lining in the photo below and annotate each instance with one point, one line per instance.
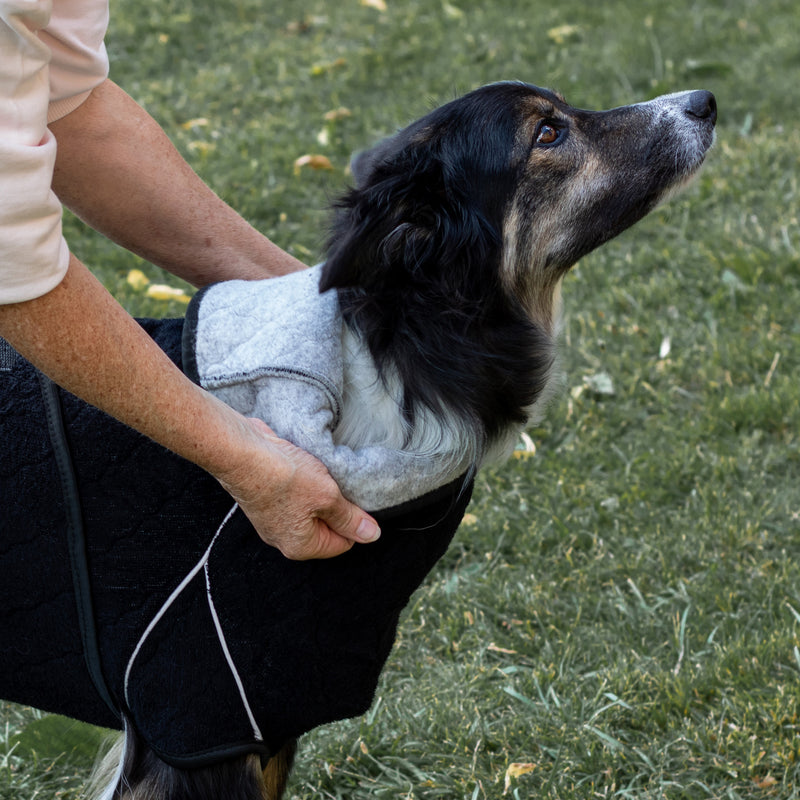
(273, 349)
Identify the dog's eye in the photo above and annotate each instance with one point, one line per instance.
(546, 133)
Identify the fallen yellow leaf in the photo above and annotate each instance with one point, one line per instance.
(495, 649)
(515, 771)
(561, 33)
(526, 447)
(313, 161)
(200, 122)
(766, 782)
(137, 280)
(204, 148)
(158, 291)
(336, 114)
(378, 5)
(321, 69)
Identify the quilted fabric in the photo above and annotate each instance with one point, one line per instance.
(252, 650)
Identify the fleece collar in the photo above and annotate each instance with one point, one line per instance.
(272, 349)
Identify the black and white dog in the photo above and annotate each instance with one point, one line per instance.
(445, 264)
(449, 255)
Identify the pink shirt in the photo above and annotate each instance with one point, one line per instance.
(51, 56)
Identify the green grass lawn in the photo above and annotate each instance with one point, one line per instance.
(620, 613)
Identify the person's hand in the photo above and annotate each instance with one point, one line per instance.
(293, 502)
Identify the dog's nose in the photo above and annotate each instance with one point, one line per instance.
(703, 105)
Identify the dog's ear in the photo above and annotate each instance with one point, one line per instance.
(408, 220)
(384, 226)
(363, 163)
(354, 214)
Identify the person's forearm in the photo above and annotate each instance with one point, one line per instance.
(118, 171)
(84, 341)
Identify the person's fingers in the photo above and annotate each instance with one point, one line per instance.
(341, 517)
(323, 543)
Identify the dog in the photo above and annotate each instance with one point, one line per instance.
(445, 262)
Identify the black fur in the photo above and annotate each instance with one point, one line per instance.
(415, 252)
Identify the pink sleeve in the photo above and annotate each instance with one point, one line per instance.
(79, 61)
(33, 253)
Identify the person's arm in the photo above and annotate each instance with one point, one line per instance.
(118, 171)
(82, 339)
(55, 313)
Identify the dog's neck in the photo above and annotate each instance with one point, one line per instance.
(372, 412)
(374, 405)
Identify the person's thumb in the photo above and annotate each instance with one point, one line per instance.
(350, 522)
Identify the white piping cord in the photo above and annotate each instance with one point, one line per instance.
(229, 659)
(202, 564)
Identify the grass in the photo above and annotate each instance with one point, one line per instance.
(620, 613)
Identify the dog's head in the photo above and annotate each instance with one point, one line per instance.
(510, 182)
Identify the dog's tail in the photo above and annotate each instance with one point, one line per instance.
(131, 771)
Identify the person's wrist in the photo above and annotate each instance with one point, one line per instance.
(226, 444)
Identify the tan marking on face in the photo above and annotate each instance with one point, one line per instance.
(591, 182)
(532, 236)
(524, 275)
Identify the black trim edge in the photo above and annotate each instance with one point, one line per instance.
(429, 498)
(189, 336)
(212, 756)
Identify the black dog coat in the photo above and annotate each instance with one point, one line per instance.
(129, 586)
